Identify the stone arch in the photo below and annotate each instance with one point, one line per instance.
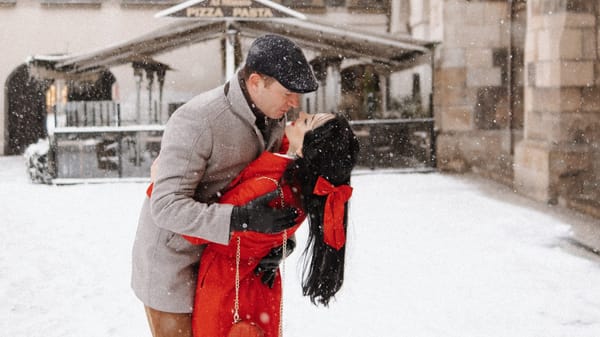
(25, 110)
(98, 89)
(361, 92)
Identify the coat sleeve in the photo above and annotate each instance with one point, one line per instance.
(185, 149)
(241, 194)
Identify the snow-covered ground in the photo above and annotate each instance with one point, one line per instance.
(429, 255)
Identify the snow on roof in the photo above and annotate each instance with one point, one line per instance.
(321, 37)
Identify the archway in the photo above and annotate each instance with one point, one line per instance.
(361, 94)
(393, 133)
(29, 98)
(26, 110)
(99, 89)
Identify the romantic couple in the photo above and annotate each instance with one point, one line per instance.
(228, 193)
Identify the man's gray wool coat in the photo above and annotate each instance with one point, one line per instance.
(206, 143)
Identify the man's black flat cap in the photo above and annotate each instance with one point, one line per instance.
(280, 58)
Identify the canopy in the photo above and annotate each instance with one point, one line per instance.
(326, 39)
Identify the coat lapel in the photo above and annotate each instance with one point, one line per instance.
(239, 106)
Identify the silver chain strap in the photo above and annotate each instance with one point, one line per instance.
(236, 307)
(284, 252)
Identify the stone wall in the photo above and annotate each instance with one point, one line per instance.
(474, 109)
(557, 161)
(517, 96)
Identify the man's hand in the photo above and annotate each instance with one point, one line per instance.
(269, 264)
(257, 216)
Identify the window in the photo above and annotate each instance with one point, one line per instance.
(362, 5)
(368, 5)
(150, 2)
(71, 2)
(335, 3)
(303, 3)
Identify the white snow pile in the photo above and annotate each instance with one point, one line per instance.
(36, 162)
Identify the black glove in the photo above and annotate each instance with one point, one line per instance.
(269, 264)
(257, 216)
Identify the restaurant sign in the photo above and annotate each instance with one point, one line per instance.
(235, 9)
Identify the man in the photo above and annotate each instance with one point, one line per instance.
(206, 143)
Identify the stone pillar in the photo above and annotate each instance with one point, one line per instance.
(150, 88)
(138, 73)
(160, 75)
(327, 71)
(333, 87)
(418, 21)
(399, 16)
(558, 159)
(470, 89)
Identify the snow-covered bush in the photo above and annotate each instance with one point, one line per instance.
(36, 162)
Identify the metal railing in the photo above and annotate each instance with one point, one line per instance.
(87, 113)
(398, 143)
(89, 142)
(101, 152)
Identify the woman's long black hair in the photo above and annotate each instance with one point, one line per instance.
(329, 151)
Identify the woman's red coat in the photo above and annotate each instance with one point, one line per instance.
(215, 293)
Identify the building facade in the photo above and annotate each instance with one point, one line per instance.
(513, 86)
(517, 97)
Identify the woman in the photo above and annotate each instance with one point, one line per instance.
(314, 176)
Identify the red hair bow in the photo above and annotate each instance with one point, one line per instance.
(333, 219)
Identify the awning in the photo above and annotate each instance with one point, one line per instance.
(325, 39)
(164, 39)
(342, 41)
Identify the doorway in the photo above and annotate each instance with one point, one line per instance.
(26, 110)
